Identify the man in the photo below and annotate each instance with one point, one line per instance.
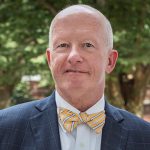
(76, 116)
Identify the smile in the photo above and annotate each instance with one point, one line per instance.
(75, 71)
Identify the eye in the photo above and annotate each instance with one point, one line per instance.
(63, 45)
(88, 45)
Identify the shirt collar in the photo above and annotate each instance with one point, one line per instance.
(60, 102)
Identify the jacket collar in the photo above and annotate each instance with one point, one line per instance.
(114, 136)
(44, 124)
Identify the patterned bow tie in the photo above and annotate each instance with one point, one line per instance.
(70, 120)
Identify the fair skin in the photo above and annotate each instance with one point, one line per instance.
(80, 58)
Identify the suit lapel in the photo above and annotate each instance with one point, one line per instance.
(44, 125)
(114, 136)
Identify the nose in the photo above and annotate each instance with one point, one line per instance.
(75, 56)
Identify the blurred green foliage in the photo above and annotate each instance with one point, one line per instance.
(24, 27)
(21, 93)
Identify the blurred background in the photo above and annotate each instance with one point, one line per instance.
(24, 73)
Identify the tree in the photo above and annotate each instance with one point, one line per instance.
(22, 40)
(24, 28)
(131, 26)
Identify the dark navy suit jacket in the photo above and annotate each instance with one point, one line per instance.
(34, 126)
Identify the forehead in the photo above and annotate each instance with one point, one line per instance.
(77, 22)
(78, 19)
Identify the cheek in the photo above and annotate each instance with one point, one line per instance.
(99, 67)
(57, 62)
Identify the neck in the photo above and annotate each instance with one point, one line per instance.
(82, 101)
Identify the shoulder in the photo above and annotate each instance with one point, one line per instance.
(133, 122)
(128, 120)
(137, 129)
(16, 122)
(19, 114)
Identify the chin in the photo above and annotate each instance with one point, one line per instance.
(73, 85)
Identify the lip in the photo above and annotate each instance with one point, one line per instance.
(75, 71)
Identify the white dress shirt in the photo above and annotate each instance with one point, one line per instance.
(82, 137)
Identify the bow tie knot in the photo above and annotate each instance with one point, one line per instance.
(71, 120)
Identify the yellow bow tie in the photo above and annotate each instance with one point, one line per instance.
(70, 120)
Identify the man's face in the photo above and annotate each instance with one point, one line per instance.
(79, 58)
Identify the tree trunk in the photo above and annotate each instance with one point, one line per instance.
(113, 91)
(5, 94)
(137, 90)
(129, 89)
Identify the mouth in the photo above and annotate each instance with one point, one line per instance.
(75, 71)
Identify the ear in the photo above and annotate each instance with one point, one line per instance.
(112, 58)
(48, 56)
